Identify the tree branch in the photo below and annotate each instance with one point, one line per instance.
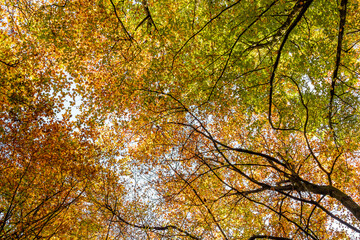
(268, 237)
(338, 56)
(305, 6)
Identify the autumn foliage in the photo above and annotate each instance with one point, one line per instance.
(179, 119)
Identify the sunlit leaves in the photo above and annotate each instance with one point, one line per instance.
(194, 119)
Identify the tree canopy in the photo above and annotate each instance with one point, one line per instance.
(187, 119)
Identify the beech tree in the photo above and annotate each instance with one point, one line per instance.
(196, 120)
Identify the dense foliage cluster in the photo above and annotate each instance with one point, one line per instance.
(187, 119)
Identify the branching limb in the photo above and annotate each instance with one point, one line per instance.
(305, 6)
(10, 64)
(146, 227)
(343, 6)
(121, 23)
(268, 237)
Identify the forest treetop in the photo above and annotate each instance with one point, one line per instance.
(197, 119)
